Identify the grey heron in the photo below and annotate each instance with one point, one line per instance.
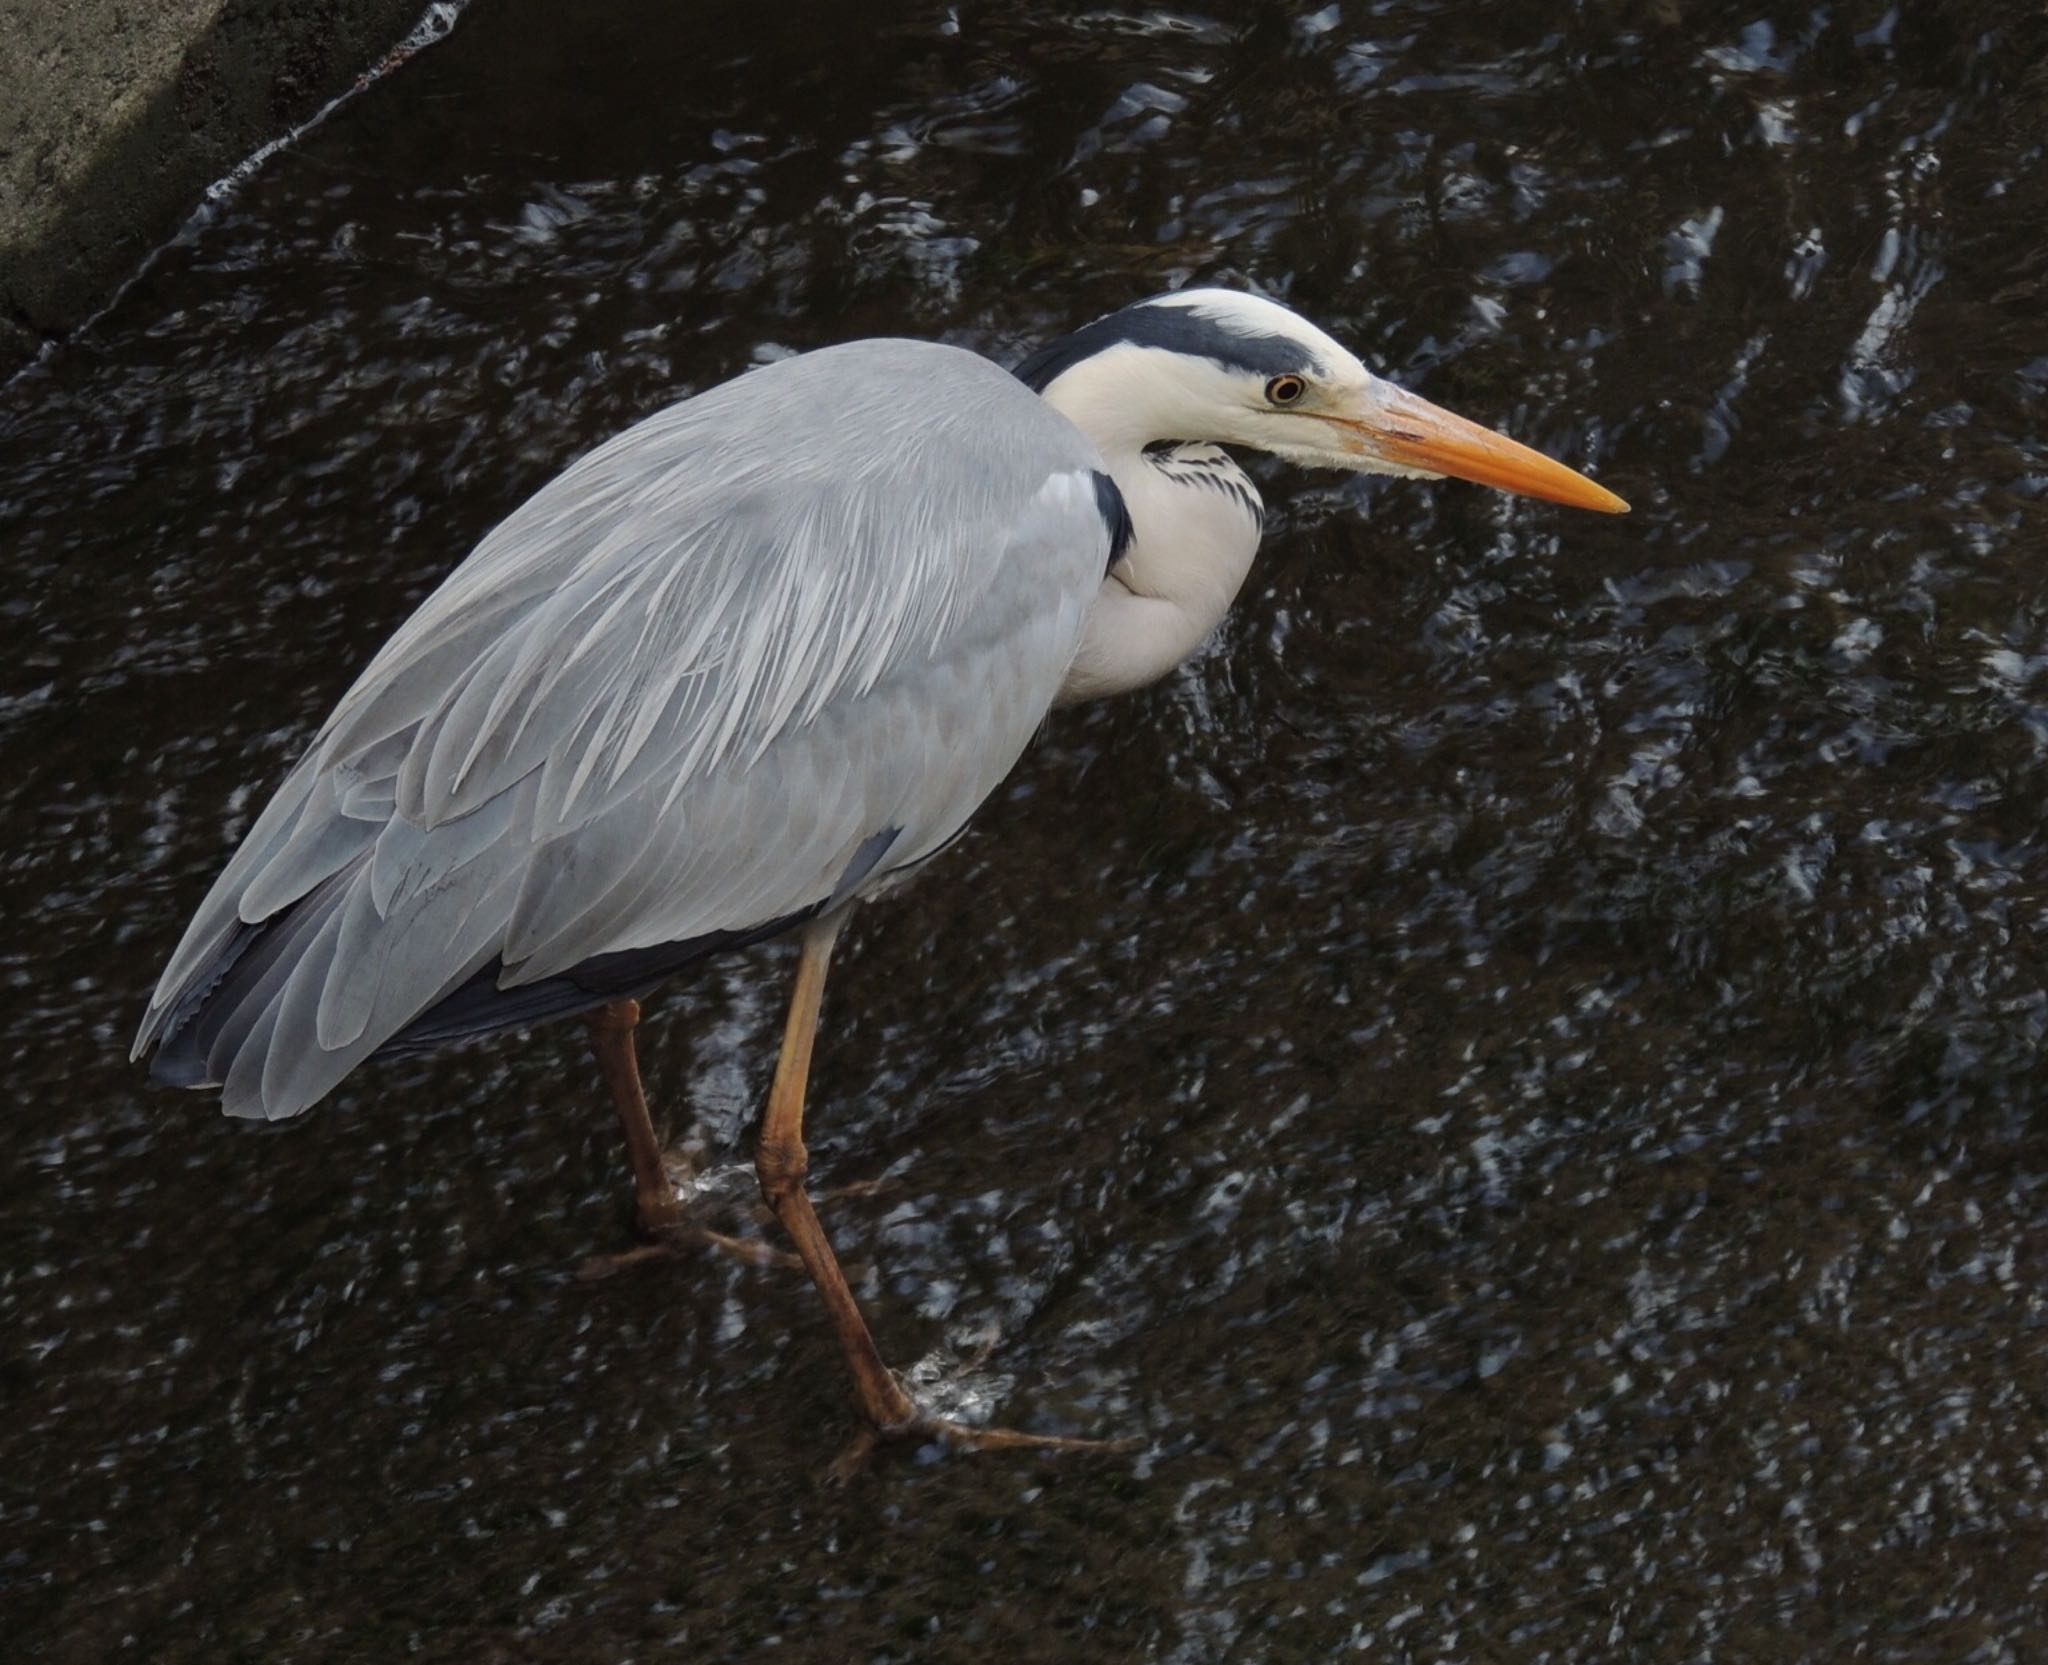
(751, 661)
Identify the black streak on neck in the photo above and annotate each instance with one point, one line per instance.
(1116, 515)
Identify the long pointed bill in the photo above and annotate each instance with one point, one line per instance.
(1410, 432)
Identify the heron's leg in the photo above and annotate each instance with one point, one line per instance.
(782, 1161)
(662, 1214)
(611, 1037)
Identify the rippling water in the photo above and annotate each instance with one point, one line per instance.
(1517, 1071)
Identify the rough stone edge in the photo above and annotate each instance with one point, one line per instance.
(261, 68)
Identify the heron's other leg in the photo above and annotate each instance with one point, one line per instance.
(611, 1037)
(662, 1213)
(782, 1161)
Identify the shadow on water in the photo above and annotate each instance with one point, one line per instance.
(1516, 1071)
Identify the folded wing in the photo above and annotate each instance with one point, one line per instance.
(742, 661)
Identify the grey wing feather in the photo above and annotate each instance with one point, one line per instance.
(678, 695)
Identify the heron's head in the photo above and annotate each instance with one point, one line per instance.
(1213, 364)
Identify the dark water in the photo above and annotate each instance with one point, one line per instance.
(1517, 1072)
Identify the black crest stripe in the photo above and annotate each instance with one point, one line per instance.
(1177, 329)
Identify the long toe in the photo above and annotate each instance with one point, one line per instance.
(681, 1241)
(959, 1436)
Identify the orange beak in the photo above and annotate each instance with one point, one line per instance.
(1411, 433)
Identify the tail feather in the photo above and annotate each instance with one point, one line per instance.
(397, 948)
(217, 932)
(250, 1027)
(182, 1064)
(210, 1025)
(249, 1023)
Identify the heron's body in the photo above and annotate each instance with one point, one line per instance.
(744, 664)
(617, 738)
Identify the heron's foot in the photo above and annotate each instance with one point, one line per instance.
(920, 1428)
(669, 1222)
(679, 1242)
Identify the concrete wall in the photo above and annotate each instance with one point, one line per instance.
(116, 114)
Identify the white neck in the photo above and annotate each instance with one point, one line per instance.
(1195, 520)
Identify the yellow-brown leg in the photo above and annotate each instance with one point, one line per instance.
(611, 1037)
(662, 1214)
(782, 1161)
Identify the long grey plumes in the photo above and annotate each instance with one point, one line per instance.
(669, 700)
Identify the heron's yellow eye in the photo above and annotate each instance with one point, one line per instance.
(1285, 390)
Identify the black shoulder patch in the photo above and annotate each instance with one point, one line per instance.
(1177, 329)
(863, 862)
(1116, 515)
